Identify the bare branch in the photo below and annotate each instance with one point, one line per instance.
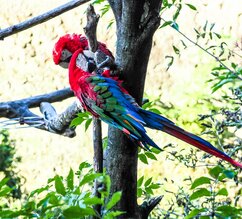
(91, 28)
(147, 207)
(7, 108)
(90, 31)
(40, 19)
(59, 124)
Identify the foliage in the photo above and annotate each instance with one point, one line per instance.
(68, 197)
(82, 117)
(8, 163)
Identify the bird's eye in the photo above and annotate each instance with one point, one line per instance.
(65, 54)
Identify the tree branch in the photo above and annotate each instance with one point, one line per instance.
(40, 19)
(90, 31)
(19, 113)
(147, 207)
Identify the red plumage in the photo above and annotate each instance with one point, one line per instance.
(137, 117)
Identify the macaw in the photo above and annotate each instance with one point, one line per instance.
(103, 96)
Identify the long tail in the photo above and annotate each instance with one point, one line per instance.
(158, 122)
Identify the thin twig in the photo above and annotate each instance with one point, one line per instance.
(40, 19)
(205, 50)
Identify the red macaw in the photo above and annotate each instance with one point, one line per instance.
(104, 97)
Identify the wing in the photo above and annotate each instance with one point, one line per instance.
(104, 99)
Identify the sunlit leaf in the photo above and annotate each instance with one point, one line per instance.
(192, 7)
(143, 158)
(200, 181)
(228, 210)
(200, 193)
(114, 200)
(87, 124)
(92, 201)
(166, 23)
(194, 213)
(70, 180)
(216, 171)
(148, 181)
(77, 212)
(140, 181)
(59, 186)
(223, 192)
(150, 155)
(89, 178)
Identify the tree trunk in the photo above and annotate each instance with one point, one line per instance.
(136, 22)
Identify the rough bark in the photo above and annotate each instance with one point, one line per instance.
(136, 23)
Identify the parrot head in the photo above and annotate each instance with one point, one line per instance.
(69, 43)
(66, 46)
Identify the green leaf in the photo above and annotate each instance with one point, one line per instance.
(140, 181)
(147, 182)
(221, 83)
(171, 60)
(114, 200)
(87, 124)
(38, 191)
(29, 206)
(53, 199)
(175, 16)
(84, 165)
(228, 210)
(5, 190)
(194, 213)
(154, 186)
(11, 214)
(200, 193)
(217, 35)
(216, 171)
(176, 50)
(113, 214)
(205, 26)
(212, 26)
(166, 24)
(150, 155)
(3, 182)
(143, 158)
(105, 142)
(200, 181)
(192, 7)
(155, 150)
(70, 180)
(139, 192)
(154, 110)
(223, 192)
(149, 191)
(76, 121)
(92, 201)
(77, 212)
(89, 178)
(110, 23)
(59, 186)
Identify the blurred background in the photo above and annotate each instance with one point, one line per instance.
(27, 69)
